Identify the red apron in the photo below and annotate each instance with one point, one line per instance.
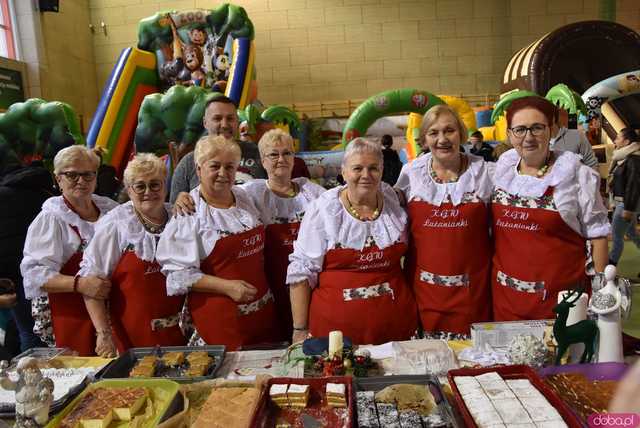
(72, 325)
(536, 256)
(363, 294)
(278, 247)
(448, 264)
(138, 297)
(218, 319)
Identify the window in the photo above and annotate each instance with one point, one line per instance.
(7, 41)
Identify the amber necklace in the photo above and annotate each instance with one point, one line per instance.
(352, 210)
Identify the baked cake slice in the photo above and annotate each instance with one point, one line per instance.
(298, 395)
(278, 394)
(335, 394)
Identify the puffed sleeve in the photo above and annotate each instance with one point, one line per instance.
(43, 255)
(103, 252)
(309, 248)
(593, 214)
(403, 184)
(179, 254)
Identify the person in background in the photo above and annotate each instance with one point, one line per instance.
(53, 249)
(300, 168)
(392, 163)
(545, 206)
(571, 140)
(480, 148)
(624, 183)
(23, 190)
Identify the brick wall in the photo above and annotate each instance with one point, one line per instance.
(323, 50)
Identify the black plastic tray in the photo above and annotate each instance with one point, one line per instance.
(121, 367)
(380, 382)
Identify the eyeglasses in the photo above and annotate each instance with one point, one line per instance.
(537, 129)
(74, 176)
(139, 187)
(273, 157)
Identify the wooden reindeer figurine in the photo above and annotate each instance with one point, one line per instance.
(584, 331)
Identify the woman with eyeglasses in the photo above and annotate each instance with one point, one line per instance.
(545, 206)
(448, 195)
(216, 255)
(138, 311)
(53, 250)
(282, 202)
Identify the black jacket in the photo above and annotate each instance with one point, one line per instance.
(625, 184)
(22, 193)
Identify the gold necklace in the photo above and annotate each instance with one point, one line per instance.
(151, 226)
(289, 193)
(354, 212)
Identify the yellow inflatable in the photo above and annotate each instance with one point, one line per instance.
(463, 109)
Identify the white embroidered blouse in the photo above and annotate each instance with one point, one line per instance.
(328, 225)
(114, 233)
(416, 182)
(51, 241)
(576, 190)
(187, 240)
(275, 209)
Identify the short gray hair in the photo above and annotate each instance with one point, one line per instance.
(72, 154)
(273, 137)
(359, 146)
(144, 164)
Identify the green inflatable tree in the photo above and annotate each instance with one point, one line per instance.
(37, 128)
(172, 117)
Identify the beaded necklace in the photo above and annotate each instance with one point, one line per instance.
(354, 212)
(149, 225)
(463, 166)
(289, 193)
(543, 169)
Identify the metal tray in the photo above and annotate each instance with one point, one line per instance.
(380, 382)
(121, 367)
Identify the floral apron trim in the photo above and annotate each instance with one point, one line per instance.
(42, 324)
(363, 293)
(252, 307)
(162, 323)
(520, 285)
(545, 201)
(445, 280)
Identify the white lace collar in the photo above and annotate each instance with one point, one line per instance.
(508, 179)
(244, 211)
(388, 229)
(57, 207)
(133, 232)
(471, 181)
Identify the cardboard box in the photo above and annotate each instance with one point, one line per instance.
(499, 334)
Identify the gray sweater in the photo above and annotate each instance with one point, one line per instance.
(572, 140)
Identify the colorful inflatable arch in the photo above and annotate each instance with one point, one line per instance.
(386, 103)
(212, 49)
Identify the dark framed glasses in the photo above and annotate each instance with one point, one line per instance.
(537, 129)
(74, 176)
(274, 156)
(139, 187)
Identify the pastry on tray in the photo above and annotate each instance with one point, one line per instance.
(298, 395)
(98, 408)
(278, 394)
(145, 367)
(231, 407)
(408, 397)
(173, 359)
(335, 394)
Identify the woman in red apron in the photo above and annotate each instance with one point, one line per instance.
(544, 207)
(53, 250)
(217, 255)
(123, 249)
(448, 262)
(345, 269)
(282, 202)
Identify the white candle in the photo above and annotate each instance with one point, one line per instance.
(335, 344)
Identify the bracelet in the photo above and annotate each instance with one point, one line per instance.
(305, 328)
(76, 280)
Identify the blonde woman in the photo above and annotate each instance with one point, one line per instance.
(216, 256)
(448, 195)
(123, 249)
(53, 250)
(282, 202)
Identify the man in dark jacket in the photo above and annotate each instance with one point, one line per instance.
(480, 148)
(22, 192)
(625, 186)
